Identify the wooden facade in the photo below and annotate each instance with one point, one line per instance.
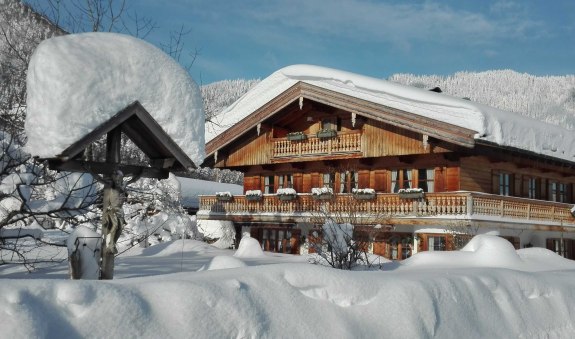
(285, 144)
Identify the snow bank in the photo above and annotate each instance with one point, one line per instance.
(249, 248)
(225, 262)
(77, 82)
(169, 296)
(490, 124)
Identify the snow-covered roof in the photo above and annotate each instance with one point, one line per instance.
(490, 124)
(77, 82)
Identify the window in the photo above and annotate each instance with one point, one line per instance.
(400, 179)
(285, 181)
(328, 180)
(269, 185)
(331, 123)
(348, 180)
(403, 178)
(436, 243)
(426, 179)
(505, 180)
(557, 191)
(530, 187)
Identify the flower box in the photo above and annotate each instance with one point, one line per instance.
(286, 197)
(286, 194)
(254, 195)
(363, 193)
(411, 193)
(224, 196)
(322, 193)
(296, 136)
(326, 133)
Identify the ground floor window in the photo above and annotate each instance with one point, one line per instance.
(563, 247)
(277, 239)
(394, 246)
(436, 243)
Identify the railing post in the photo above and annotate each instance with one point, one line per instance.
(501, 213)
(469, 205)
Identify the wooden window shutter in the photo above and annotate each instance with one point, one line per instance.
(298, 182)
(439, 180)
(449, 242)
(380, 181)
(452, 179)
(363, 181)
(307, 182)
(314, 181)
(495, 182)
(251, 183)
(569, 192)
(549, 244)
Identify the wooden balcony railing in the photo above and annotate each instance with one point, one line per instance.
(468, 205)
(343, 143)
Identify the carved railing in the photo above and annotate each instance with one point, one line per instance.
(450, 204)
(342, 143)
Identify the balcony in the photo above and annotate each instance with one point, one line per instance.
(433, 208)
(342, 143)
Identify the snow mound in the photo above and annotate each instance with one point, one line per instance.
(249, 248)
(490, 124)
(223, 262)
(77, 82)
(481, 251)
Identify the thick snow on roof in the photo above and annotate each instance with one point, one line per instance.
(77, 82)
(490, 124)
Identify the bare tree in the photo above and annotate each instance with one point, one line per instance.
(337, 239)
(30, 193)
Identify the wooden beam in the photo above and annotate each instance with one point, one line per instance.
(106, 169)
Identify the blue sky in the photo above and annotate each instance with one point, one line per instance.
(253, 38)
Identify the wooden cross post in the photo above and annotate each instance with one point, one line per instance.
(114, 197)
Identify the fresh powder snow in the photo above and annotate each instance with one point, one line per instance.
(186, 288)
(77, 82)
(490, 124)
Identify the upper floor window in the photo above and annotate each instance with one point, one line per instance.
(331, 123)
(423, 178)
(505, 183)
(269, 184)
(401, 179)
(531, 187)
(328, 180)
(285, 181)
(426, 179)
(348, 180)
(557, 191)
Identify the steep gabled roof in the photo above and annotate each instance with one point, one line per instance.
(301, 90)
(437, 114)
(136, 123)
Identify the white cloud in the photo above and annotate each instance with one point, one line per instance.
(400, 24)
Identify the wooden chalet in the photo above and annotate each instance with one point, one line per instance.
(430, 183)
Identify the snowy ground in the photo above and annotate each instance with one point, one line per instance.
(190, 289)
